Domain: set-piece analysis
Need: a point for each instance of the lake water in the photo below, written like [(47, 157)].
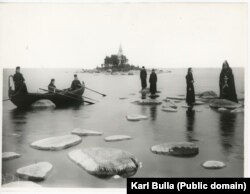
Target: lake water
[(220, 136)]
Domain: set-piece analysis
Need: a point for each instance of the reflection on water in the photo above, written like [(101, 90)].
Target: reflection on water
[(153, 112), (227, 131), (190, 120)]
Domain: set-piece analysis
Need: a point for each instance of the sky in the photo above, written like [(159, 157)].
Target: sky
[(153, 35)]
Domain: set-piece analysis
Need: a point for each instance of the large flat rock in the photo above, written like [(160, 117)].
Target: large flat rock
[(9, 155), (237, 110), (43, 104), (105, 162), (136, 117), (35, 172), (21, 184), (148, 102), (213, 164), (208, 95), (117, 138), (85, 132), (57, 143), (181, 149), (223, 103)]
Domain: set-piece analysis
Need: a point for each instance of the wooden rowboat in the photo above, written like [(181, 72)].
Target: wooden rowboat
[(61, 98)]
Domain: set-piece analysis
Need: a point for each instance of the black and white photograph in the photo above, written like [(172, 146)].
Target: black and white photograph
[(95, 93)]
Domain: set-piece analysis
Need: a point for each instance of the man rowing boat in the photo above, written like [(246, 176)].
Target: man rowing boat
[(76, 84)]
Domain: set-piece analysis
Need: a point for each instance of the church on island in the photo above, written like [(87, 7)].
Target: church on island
[(117, 62)]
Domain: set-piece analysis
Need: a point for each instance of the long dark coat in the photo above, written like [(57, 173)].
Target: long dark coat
[(143, 76), (20, 86), (227, 85), (190, 97), (153, 81)]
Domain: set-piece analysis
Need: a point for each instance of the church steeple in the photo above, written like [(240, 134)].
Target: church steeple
[(120, 52)]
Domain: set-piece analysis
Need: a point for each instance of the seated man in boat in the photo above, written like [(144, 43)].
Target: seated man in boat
[(75, 83), (19, 82), (51, 86)]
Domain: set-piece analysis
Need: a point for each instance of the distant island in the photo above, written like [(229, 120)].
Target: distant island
[(116, 63)]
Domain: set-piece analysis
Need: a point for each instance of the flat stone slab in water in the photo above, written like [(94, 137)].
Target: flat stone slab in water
[(57, 143), (223, 103), (181, 149), (117, 138), (208, 95), (223, 110), (237, 110), (135, 117), (198, 102), (9, 155), (35, 172), (105, 162), (21, 184), (85, 132), (212, 164), (43, 104), (169, 109), (176, 98), (148, 102)]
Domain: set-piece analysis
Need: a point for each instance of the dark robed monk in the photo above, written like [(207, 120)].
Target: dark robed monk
[(51, 86), (153, 81), (227, 85), (143, 76), (190, 97), (19, 82), (75, 83)]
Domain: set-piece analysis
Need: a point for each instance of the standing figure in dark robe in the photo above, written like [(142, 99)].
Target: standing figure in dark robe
[(153, 81), (227, 85), (75, 83), (190, 97), (19, 82), (143, 76), (51, 86)]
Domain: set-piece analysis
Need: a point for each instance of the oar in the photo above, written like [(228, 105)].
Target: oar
[(5, 100), (95, 91), (69, 96), (70, 93)]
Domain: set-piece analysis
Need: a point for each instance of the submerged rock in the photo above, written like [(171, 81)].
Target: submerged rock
[(181, 149), (136, 117), (35, 172), (85, 132), (213, 164), (9, 155), (43, 104), (237, 110), (208, 95), (223, 103), (123, 98), (169, 109), (57, 142), (117, 138), (105, 162), (148, 102), (21, 184)]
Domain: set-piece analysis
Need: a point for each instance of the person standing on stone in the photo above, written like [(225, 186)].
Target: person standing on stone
[(19, 82), (227, 85), (75, 83), (143, 76), (51, 86), (153, 81), (190, 97)]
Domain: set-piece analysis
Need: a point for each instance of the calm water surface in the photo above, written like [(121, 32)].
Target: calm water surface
[(218, 135)]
